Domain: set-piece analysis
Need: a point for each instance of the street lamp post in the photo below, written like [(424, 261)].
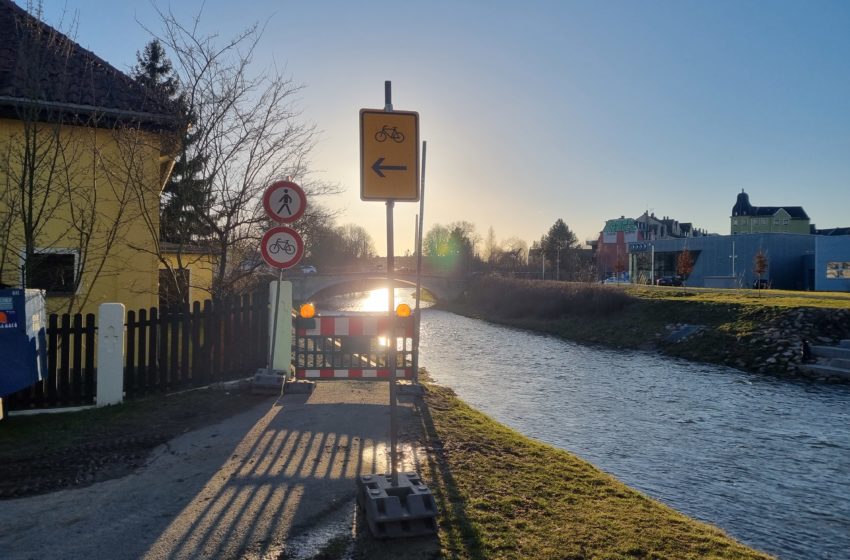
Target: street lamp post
[(543, 260), (558, 262), (652, 265), (733, 257)]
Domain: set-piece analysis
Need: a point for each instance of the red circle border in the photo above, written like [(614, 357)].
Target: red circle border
[(299, 247), (267, 195)]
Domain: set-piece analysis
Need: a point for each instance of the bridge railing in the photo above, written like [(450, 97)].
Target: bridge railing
[(353, 347)]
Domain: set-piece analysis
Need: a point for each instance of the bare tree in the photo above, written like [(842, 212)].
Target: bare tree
[(760, 266), (512, 255), (684, 264), (54, 184), (357, 242), (249, 130), (491, 252)]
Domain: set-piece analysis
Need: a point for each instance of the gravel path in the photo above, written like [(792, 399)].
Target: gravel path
[(238, 489)]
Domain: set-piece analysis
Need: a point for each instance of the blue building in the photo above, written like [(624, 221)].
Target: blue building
[(794, 261), (832, 263)]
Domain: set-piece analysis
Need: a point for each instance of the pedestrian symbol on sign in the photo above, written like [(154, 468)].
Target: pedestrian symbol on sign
[(286, 199)]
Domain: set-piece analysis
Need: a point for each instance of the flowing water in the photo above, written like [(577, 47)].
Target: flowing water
[(767, 460)]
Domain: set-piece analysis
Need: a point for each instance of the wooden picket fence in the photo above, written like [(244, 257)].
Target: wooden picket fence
[(165, 350), (189, 347)]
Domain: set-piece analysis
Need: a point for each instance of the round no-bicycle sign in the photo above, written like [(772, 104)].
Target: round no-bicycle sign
[(282, 247), (284, 201)]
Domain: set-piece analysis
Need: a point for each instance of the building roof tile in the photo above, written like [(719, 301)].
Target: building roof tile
[(793, 211), (41, 66)]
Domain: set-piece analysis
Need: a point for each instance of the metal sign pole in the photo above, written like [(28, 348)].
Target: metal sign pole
[(391, 346), (391, 335), (419, 267), (388, 172)]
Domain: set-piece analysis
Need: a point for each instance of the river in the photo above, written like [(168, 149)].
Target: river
[(767, 460)]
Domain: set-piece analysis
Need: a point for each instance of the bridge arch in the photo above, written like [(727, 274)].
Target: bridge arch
[(326, 285)]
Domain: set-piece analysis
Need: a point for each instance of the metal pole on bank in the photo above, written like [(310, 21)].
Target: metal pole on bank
[(391, 335), (416, 313)]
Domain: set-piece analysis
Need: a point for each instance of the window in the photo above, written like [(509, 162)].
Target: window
[(53, 271), (836, 270)]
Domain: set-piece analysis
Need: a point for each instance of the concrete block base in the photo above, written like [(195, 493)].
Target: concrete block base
[(408, 388), (406, 510), (299, 387), (264, 383)]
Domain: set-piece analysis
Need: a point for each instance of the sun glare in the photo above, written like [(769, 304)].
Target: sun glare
[(377, 300)]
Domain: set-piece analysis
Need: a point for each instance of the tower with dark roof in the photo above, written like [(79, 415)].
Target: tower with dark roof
[(742, 205), (747, 218)]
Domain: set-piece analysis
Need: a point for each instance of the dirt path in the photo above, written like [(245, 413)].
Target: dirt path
[(283, 471)]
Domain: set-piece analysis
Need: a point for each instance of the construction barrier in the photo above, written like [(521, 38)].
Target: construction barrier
[(353, 347), (406, 510)]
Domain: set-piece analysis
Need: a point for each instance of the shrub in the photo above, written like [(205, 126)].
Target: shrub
[(513, 299)]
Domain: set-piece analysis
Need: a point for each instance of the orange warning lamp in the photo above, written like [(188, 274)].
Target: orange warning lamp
[(403, 310), (307, 311), (3, 318)]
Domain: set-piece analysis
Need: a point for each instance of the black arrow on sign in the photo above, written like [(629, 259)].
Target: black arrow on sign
[(379, 169)]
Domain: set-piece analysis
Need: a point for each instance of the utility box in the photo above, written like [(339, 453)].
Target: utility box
[(23, 339)]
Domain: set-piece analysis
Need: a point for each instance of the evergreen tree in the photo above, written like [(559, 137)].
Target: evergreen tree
[(558, 245), (154, 71), (186, 195)]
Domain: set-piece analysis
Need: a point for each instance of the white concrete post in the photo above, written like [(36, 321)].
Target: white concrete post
[(110, 354), (283, 340)]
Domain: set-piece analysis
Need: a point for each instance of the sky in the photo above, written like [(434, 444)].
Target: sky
[(538, 110)]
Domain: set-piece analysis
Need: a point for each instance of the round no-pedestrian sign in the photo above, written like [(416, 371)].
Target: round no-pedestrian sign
[(284, 201), (282, 247)]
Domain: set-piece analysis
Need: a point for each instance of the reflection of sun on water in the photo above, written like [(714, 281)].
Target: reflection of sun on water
[(376, 300), (373, 301)]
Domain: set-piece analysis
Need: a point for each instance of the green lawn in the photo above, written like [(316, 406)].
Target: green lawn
[(761, 298)]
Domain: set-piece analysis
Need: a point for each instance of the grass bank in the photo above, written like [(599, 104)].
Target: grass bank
[(503, 495), (747, 329)]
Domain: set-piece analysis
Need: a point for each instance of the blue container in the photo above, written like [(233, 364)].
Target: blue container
[(23, 339)]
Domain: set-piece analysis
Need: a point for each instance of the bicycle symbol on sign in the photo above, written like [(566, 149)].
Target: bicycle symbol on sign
[(276, 247), (389, 132)]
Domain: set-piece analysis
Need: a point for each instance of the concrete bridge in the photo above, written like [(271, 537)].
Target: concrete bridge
[(312, 286)]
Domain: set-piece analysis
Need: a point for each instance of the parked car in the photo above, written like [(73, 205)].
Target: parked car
[(309, 269), (761, 284), (668, 281)]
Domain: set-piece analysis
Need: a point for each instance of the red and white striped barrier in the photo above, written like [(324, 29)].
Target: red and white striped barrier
[(367, 325), (406, 373), (340, 327)]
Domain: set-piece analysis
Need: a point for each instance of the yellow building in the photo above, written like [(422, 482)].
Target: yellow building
[(186, 275), (84, 154), (747, 218)]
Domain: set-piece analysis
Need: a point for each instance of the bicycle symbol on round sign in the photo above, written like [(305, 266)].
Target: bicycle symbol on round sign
[(276, 247), (282, 247)]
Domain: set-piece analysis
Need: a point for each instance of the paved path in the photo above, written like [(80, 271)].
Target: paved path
[(238, 489)]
